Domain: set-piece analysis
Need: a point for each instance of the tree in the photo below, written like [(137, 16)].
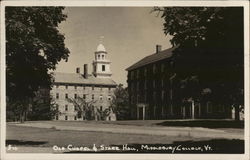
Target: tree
[(43, 109), (85, 110), (209, 46), (33, 47), (120, 103)]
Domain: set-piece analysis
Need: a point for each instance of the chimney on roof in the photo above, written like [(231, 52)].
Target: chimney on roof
[(77, 70), (85, 71), (158, 48)]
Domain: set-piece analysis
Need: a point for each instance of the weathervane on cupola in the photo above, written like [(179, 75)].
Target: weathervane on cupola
[(101, 65), (101, 39)]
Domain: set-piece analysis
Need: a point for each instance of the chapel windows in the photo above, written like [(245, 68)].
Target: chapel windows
[(103, 67)]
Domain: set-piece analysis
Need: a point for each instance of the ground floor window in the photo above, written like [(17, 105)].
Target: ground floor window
[(66, 118), (79, 115), (221, 108), (209, 107)]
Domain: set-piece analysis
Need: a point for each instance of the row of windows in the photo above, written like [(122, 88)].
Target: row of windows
[(144, 97), (218, 108), (84, 87), (76, 109), (84, 96), (146, 83), (145, 70), (75, 118), (99, 56)]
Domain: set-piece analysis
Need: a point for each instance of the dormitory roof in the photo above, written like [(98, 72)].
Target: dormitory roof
[(152, 58), (74, 78)]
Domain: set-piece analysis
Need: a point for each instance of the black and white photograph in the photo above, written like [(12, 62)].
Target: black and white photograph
[(160, 80)]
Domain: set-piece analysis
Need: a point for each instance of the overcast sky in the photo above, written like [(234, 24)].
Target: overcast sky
[(130, 33)]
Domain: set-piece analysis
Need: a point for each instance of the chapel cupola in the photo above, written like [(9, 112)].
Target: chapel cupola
[(101, 65)]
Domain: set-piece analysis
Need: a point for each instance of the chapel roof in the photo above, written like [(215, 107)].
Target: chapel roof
[(75, 78)]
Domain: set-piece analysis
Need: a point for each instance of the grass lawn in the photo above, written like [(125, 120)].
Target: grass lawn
[(38, 137), (180, 122), (204, 123)]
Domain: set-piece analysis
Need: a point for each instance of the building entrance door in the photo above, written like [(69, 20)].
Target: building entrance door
[(140, 110), (187, 112)]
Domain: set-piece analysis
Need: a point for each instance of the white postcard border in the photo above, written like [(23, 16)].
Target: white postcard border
[(140, 3)]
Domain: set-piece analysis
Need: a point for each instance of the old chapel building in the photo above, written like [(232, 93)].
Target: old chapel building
[(152, 94), (97, 87)]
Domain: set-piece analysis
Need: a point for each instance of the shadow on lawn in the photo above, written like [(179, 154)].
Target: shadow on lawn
[(24, 143), (214, 146), (205, 123)]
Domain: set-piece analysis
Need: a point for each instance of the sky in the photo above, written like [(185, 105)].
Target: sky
[(130, 34)]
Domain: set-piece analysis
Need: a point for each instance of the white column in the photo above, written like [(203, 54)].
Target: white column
[(233, 112), (143, 114), (192, 109)]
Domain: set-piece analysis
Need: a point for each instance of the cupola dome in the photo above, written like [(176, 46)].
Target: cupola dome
[(100, 48)]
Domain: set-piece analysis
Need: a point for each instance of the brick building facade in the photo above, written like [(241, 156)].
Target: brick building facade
[(152, 92)]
